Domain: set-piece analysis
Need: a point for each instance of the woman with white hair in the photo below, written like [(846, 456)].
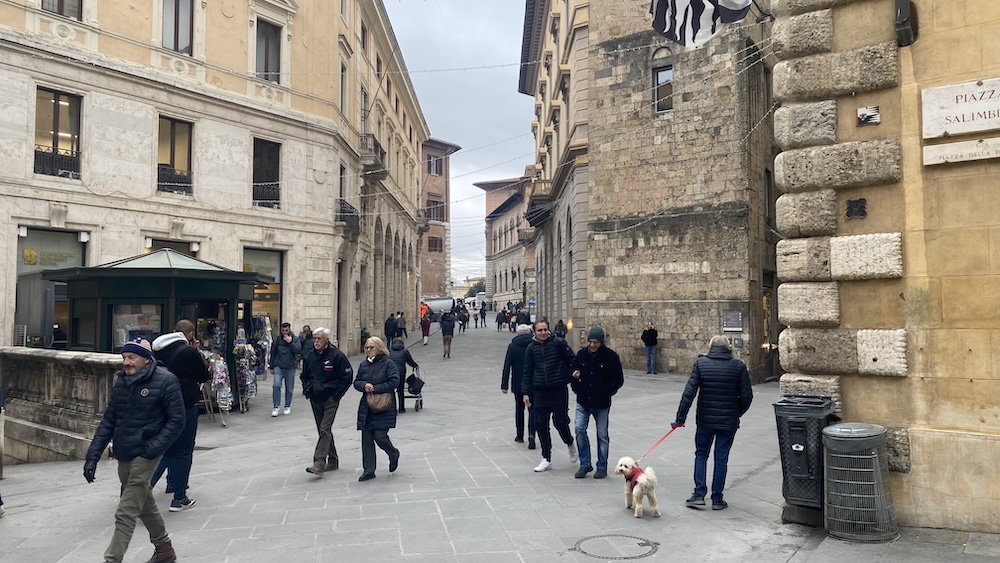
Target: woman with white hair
[(376, 374)]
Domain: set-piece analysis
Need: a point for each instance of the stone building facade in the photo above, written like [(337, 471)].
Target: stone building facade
[(435, 199), (889, 268), (509, 241), (270, 135), (654, 200)]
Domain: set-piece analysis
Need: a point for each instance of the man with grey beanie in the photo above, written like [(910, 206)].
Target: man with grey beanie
[(597, 376)]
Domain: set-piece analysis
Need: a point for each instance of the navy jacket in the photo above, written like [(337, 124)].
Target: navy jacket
[(401, 357), (385, 379), (600, 377), (390, 328), (546, 365), (722, 384), (513, 364), (447, 324), (326, 374), (285, 355), (143, 417)]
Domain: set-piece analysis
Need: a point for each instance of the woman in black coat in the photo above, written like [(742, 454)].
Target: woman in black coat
[(376, 374)]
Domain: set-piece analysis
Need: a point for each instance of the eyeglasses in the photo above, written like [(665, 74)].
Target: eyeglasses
[(369, 347)]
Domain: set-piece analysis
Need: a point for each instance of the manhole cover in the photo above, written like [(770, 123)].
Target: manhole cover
[(615, 547)]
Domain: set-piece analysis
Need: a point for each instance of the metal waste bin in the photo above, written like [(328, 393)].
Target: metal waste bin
[(801, 420), (858, 504)]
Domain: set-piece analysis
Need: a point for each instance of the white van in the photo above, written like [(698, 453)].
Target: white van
[(438, 305)]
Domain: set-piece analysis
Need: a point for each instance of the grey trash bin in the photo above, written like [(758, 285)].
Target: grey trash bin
[(858, 501), (801, 420)]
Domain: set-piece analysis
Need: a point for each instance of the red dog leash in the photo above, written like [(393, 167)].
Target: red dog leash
[(659, 442)]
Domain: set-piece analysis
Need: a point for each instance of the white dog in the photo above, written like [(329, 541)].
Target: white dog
[(638, 483)]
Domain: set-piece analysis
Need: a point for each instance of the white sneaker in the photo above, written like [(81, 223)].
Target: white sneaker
[(274, 411), (545, 465), (288, 410), (573, 457)]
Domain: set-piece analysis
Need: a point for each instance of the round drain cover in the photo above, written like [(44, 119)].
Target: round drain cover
[(616, 547)]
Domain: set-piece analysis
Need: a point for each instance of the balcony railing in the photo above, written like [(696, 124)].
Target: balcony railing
[(348, 214), (525, 235), (267, 194), (57, 162), (173, 180), (373, 157)]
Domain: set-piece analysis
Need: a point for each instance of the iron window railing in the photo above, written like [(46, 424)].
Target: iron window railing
[(267, 194), (57, 162), (173, 180)]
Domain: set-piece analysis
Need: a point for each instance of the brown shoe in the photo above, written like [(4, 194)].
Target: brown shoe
[(163, 553), (316, 469), (331, 466)]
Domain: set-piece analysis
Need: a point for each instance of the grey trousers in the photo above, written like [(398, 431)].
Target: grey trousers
[(324, 413), (136, 502)]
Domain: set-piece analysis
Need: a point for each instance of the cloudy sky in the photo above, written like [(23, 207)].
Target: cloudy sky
[(476, 108)]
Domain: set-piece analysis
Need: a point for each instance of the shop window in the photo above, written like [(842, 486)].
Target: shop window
[(83, 324), (266, 298), (66, 8), (435, 209), (434, 165), (435, 244), (664, 88), (173, 169), (268, 51), (178, 25), (266, 168), (57, 133), (129, 321)]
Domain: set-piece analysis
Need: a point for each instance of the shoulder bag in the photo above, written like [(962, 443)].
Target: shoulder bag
[(379, 402)]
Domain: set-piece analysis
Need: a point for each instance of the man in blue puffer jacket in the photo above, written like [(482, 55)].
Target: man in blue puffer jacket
[(722, 385), (145, 414)]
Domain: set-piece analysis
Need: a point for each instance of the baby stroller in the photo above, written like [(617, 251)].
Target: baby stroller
[(414, 388)]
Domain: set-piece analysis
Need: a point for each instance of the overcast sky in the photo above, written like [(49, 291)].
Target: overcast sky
[(478, 109)]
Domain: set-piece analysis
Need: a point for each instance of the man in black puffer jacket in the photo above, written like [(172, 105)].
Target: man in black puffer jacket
[(145, 414), (597, 376), (722, 385), (546, 373)]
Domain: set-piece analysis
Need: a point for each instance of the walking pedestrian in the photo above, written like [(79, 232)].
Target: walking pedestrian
[(512, 378), (425, 327), (145, 414), (326, 376), (649, 340), (722, 385), (401, 325), (560, 330), (597, 376), (482, 315), (285, 351), (376, 374), (390, 327), (401, 357), (178, 352), (447, 332), (546, 373), (501, 319)]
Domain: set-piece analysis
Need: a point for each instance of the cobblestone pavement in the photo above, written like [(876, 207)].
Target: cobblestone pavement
[(464, 491)]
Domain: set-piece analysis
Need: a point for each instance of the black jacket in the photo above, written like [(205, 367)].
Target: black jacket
[(385, 379), (546, 365), (649, 337), (448, 324), (513, 364), (143, 417), (184, 361), (327, 373), (390, 328), (401, 357), (285, 355), (722, 384), (600, 377)]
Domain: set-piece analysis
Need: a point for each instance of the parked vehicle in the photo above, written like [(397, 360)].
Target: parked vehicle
[(438, 305)]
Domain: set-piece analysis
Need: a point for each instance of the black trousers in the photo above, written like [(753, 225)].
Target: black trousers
[(370, 437), (552, 403), (519, 409)]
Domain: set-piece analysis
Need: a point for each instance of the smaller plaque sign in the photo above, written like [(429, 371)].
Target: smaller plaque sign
[(963, 151), (732, 321)]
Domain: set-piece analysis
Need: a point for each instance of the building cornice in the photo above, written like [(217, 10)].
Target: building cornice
[(531, 44)]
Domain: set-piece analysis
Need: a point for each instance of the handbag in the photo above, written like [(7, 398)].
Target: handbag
[(378, 402)]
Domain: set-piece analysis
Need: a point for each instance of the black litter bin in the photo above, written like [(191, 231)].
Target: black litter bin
[(800, 440)]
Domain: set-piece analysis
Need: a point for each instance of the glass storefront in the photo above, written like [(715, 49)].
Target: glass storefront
[(266, 297), (41, 306)]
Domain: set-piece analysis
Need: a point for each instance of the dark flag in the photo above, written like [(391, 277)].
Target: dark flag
[(693, 22)]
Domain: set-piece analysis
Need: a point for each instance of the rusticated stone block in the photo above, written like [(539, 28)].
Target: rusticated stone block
[(898, 448), (803, 35), (809, 304), (806, 125), (785, 8), (845, 165), (867, 257), (804, 259), (882, 352), (807, 214), (819, 351), (828, 75), (813, 385)]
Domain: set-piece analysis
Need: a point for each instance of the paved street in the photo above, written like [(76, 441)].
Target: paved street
[(464, 491)]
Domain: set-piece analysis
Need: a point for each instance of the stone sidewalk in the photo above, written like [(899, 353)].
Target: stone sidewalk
[(464, 491)]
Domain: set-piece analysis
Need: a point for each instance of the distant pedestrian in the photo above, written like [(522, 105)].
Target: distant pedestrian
[(560, 330), (306, 341), (722, 386), (145, 414), (178, 352), (482, 315), (285, 351), (376, 374), (425, 327), (475, 319), (326, 377), (501, 319), (649, 340), (512, 378), (402, 357), (401, 325), (390, 327), (546, 373), (447, 332), (597, 376)]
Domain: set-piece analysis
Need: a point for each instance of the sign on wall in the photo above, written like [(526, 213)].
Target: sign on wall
[(963, 151), (958, 109)]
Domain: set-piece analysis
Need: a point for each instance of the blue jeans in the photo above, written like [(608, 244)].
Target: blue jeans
[(583, 415), (178, 457), (288, 376), (703, 439), (650, 358)]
